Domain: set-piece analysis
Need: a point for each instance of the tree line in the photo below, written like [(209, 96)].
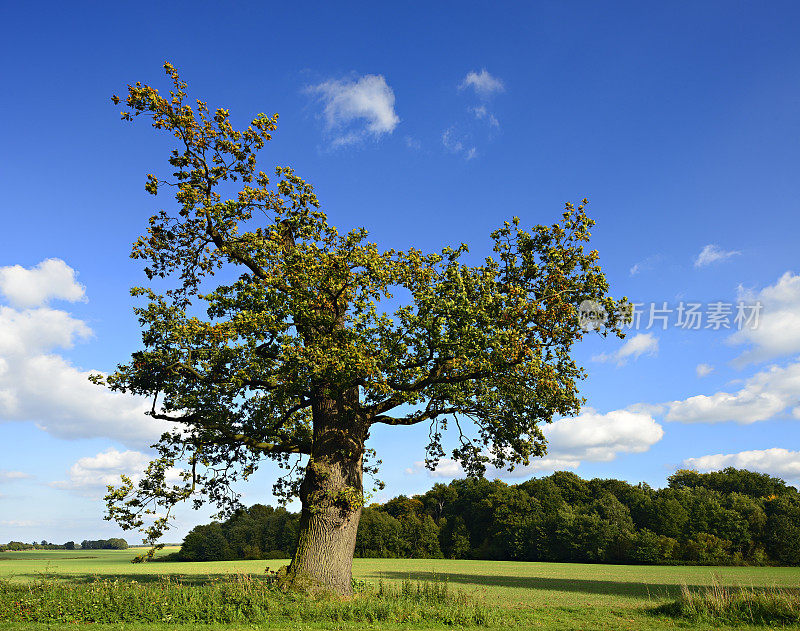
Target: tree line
[(115, 543), (730, 517)]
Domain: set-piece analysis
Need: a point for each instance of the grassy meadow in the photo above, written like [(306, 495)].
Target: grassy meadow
[(523, 595)]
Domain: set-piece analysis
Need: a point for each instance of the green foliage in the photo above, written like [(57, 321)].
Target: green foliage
[(119, 544), (206, 543), (380, 535), (259, 532), (731, 480), (241, 599), (115, 543), (251, 370)]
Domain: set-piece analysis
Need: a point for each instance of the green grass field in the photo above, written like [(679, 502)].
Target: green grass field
[(534, 595)]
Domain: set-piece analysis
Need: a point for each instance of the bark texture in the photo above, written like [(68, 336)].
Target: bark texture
[(332, 497)]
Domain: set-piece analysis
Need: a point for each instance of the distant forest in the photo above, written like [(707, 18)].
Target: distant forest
[(87, 544), (730, 517)]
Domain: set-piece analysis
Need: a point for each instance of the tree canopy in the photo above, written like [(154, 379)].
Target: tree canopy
[(299, 355)]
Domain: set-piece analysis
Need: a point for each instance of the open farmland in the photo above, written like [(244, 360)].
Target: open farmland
[(531, 595)]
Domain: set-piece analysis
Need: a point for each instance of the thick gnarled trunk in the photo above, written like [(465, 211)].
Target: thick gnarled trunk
[(332, 497)]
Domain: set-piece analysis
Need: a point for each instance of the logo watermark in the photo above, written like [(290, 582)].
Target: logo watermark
[(592, 316)]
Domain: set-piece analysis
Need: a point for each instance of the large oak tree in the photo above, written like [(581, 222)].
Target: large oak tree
[(305, 350)]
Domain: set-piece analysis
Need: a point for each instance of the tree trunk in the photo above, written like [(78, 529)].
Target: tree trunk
[(332, 496)]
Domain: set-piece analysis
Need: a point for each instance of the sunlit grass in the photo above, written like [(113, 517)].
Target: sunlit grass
[(535, 595)]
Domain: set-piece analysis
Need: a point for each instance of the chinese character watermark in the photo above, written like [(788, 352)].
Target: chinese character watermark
[(694, 316)]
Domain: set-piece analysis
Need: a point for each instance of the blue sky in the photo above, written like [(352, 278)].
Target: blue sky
[(429, 125)]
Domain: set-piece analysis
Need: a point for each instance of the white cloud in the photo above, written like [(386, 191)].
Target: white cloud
[(652, 409), (357, 109), (104, 468), (92, 474), (483, 83), (50, 279), (35, 330), (638, 345), (591, 436), (703, 370), (763, 396), (601, 437), (60, 399), (777, 333), (14, 475), (456, 143), (776, 461), (713, 254), (447, 468), (481, 113), (40, 386)]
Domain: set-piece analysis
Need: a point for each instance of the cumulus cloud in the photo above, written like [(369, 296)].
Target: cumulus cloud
[(50, 279), (483, 83), (41, 386), (763, 396), (713, 254), (104, 469), (35, 330), (776, 461), (356, 109), (60, 399), (777, 332), (92, 474), (640, 344), (703, 370), (602, 437), (447, 468), (591, 436)]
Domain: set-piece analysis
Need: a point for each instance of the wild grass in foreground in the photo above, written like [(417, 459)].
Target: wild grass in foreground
[(240, 599), (729, 605)]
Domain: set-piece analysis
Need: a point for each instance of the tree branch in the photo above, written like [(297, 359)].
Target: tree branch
[(303, 447), (413, 419)]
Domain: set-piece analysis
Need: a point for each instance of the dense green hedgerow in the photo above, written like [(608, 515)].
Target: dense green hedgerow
[(239, 599)]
